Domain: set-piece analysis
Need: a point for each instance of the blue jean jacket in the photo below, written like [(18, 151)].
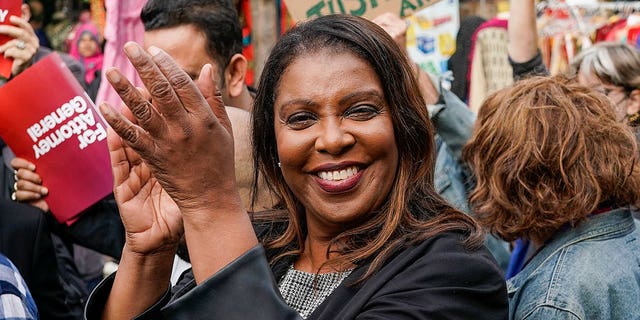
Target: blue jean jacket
[(454, 122), (590, 271)]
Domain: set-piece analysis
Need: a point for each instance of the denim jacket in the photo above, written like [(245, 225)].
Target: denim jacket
[(590, 271), (454, 122)]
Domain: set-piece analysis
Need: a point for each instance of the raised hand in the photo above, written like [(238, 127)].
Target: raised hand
[(184, 137), (24, 45), (395, 26), (152, 220), (182, 141)]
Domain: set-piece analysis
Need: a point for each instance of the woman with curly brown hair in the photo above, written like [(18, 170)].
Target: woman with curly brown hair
[(556, 170)]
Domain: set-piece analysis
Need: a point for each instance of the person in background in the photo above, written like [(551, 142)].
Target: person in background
[(360, 232), (195, 32), (557, 172), (396, 27), (453, 121), (17, 303), (37, 22), (86, 47), (461, 58), (80, 19), (28, 241), (613, 69), (189, 30)]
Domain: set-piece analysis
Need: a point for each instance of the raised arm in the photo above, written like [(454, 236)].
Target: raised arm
[(523, 33), (22, 47), (396, 27), (182, 143)]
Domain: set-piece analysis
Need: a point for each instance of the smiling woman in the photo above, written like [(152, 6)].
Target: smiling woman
[(342, 137), (335, 140)]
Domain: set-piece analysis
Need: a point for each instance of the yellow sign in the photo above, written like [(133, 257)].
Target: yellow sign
[(306, 9)]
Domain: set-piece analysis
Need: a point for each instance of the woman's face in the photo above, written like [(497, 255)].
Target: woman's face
[(614, 93), (87, 47), (335, 139)]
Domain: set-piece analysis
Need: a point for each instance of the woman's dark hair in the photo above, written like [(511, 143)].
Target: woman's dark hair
[(412, 211)]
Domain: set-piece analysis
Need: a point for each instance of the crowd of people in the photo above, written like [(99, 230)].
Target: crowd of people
[(347, 185)]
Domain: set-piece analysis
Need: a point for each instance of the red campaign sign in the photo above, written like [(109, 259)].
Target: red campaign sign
[(49, 120), (7, 8)]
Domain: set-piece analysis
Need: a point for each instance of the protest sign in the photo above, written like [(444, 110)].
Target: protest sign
[(431, 36), (302, 10), (7, 8), (49, 120)]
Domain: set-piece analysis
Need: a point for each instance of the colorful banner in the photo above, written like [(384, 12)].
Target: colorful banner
[(8, 8), (302, 10), (431, 37), (49, 120)]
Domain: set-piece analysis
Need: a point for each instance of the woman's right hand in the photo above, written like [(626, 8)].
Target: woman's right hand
[(152, 220), (28, 186)]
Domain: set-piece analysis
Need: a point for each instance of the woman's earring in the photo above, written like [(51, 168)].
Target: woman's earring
[(279, 165)]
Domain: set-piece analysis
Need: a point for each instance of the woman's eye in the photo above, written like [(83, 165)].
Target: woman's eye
[(362, 112), (301, 120)]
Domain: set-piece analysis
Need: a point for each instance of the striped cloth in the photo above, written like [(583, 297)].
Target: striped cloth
[(16, 302)]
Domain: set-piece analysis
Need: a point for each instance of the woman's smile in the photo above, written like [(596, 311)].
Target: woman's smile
[(339, 180)]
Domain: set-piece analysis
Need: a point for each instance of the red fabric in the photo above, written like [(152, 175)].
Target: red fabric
[(604, 31), (286, 22), (632, 35), (613, 33), (244, 9)]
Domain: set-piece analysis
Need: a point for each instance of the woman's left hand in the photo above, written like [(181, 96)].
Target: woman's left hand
[(182, 133), (184, 137), (22, 47)]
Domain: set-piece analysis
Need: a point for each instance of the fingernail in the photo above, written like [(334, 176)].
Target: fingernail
[(105, 110), (206, 69), (32, 167), (44, 191), (132, 50), (153, 50), (113, 76)]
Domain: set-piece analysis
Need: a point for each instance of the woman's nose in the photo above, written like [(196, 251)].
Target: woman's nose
[(334, 137)]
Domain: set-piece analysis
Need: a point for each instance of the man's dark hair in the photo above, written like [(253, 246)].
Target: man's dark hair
[(216, 19)]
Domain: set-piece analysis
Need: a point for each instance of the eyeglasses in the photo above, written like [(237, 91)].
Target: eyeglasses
[(610, 92)]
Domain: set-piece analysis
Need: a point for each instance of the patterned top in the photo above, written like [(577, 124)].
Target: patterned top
[(304, 292), (16, 302)]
